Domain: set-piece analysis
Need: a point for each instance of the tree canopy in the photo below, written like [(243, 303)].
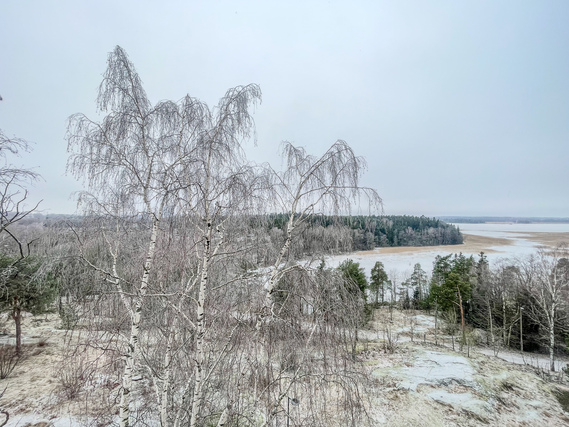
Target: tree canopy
[(378, 279), (452, 275), (355, 278)]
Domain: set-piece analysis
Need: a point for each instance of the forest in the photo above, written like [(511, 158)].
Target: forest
[(368, 232), (191, 304)]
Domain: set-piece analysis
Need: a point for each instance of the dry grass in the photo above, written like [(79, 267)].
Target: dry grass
[(544, 238), (474, 244), (46, 382)]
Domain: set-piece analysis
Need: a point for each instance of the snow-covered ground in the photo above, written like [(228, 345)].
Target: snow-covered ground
[(430, 385), (536, 360)]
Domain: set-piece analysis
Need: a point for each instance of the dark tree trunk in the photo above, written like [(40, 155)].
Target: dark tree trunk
[(462, 323), (17, 316)]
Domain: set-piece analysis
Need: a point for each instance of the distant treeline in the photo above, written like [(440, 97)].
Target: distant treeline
[(367, 232), (324, 234), (514, 220)]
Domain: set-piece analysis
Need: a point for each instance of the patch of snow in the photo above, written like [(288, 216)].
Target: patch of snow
[(438, 369), (443, 372), (22, 420), (536, 360), (463, 400)]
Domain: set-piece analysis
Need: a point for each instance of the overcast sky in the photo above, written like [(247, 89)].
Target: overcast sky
[(459, 107)]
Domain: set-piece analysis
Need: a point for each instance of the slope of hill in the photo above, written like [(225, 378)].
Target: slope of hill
[(412, 380)]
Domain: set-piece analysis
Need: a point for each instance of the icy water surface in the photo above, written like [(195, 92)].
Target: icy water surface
[(522, 240)]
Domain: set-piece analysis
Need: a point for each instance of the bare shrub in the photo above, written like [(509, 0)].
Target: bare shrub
[(289, 360), (451, 318), (74, 376), (390, 339), (9, 359)]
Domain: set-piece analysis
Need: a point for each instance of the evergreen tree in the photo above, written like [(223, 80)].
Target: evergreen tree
[(25, 287), (418, 282), (451, 287), (356, 284), (355, 278), (377, 282), (452, 280)]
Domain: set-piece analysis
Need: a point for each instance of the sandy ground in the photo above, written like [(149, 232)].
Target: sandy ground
[(475, 244), (472, 244), (546, 239), (37, 389)]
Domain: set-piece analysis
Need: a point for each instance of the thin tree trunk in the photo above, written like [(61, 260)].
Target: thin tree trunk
[(132, 349), (510, 333), (224, 418), (463, 340), (552, 339), (167, 374), (521, 330), (275, 272), (503, 319), (354, 344), (436, 323), (200, 326), (17, 316), (491, 324)]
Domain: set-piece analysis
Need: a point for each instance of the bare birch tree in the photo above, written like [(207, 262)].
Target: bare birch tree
[(546, 279), (219, 187), (13, 192), (142, 162), (310, 186), (173, 196), (130, 162)]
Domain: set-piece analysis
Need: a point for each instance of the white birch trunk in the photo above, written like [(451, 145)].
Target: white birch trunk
[(224, 418), (132, 349), (200, 329), (275, 273), (167, 374)]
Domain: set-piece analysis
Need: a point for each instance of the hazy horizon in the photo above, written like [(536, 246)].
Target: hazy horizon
[(446, 218), (460, 109)]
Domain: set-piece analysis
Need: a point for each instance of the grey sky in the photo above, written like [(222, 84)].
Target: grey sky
[(460, 108)]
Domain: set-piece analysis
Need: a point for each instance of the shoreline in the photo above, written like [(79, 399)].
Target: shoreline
[(474, 243)]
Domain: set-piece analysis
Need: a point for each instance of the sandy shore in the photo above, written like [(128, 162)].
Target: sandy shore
[(544, 238), (474, 244)]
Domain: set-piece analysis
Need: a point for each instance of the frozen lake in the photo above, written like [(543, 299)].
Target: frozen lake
[(496, 240)]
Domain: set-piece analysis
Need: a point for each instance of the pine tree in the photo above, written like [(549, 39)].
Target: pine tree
[(25, 286), (378, 279), (355, 277)]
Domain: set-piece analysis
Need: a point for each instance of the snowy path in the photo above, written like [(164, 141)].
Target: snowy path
[(532, 359)]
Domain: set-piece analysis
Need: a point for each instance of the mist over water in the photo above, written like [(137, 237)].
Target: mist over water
[(522, 240)]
